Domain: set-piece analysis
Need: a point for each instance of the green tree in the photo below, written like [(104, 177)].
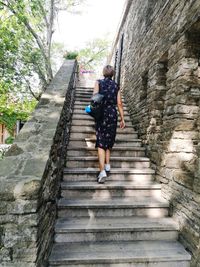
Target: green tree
[(94, 54), (26, 29), (36, 18), (19, 59)]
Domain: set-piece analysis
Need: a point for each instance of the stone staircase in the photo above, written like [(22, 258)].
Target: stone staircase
[(123, 222)]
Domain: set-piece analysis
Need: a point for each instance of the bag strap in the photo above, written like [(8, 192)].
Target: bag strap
[(99, 82)]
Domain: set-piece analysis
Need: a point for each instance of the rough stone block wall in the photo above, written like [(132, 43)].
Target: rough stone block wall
[(31, 173), (160, 78)]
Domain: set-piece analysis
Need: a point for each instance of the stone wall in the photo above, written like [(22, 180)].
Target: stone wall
[(31, 173), (160, 78)]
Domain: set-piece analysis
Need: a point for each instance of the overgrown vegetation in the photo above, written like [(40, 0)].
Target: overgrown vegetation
[(11, 112), (71, 55), (26, 29), (26, 52), (3, 150), (92, 55)]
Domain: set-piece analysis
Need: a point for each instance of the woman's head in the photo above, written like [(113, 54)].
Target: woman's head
[(108, 71)]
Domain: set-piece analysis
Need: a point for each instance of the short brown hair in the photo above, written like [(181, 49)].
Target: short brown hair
[(108, 71)]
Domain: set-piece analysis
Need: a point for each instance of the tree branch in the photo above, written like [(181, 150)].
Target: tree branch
[(2, 3), (44, 14), (41, 76), (93, 58), (32, 93), (37, 39), (50, 28)]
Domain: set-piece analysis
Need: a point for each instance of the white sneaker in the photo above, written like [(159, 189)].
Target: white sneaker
[(102, 177), (107, 167)]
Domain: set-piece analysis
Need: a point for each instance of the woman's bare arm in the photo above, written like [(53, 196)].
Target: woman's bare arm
[(96, 88), (121, 111)]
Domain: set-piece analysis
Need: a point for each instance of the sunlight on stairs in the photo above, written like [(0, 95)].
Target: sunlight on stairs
[(123, 222)]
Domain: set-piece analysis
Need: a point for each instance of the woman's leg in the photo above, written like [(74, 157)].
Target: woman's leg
[(107, 156), (102, 157)]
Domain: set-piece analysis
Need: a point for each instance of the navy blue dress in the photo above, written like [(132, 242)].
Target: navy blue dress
[(106, 129)]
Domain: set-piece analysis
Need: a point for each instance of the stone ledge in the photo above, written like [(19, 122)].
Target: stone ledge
[(22, 158), (31, 173)]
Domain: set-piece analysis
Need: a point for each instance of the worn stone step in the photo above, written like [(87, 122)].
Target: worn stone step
[(115, 229), (85, 98), (91, 122), (118, 143), (85, 85), (83, 88), (126, 206), (85, 128), (90, 142), (79, 111), (86, 116), (84, 92), (83, 102), (140, 176), (82, 105), (87, 94), (116, 151), (116, 162), (120, 254), (86, 119), (92, 135), (91, 130), (109, 189)]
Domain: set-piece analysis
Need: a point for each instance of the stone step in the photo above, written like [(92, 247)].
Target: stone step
[(83, 88), (85, 102), (140, 176), (115, 229), (109, 189), (86, 116), (90, 122), (78, 111), (120, 254), (86, 90), (87, 94), (116, 151), (120, 207), (119, 139), (92, 135), (116, 162), (120, 223), (82, 105), (90, 129), (90, 142), (85, 128), (87, 98)]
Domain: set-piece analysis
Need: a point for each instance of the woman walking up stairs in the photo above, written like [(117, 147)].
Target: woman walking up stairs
[(125, 221)]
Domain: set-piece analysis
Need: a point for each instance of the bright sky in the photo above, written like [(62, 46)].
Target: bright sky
[(99, 18)]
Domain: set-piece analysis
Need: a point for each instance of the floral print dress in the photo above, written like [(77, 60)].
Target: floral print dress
[(106, 128)]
